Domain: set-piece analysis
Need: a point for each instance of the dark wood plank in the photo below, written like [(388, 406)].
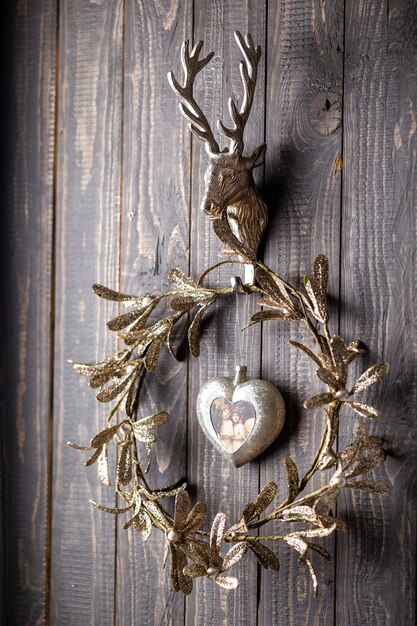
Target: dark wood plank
[(376, 561), (87, 242), (155, 238), (303, 133), (218, 483), (28, 112)]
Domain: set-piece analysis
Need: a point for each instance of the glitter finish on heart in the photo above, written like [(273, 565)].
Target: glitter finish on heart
[(259, 414)]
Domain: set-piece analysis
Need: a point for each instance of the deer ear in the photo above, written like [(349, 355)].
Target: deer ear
[(257, 157)]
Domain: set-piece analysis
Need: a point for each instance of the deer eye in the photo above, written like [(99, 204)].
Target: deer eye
[(228, 174)]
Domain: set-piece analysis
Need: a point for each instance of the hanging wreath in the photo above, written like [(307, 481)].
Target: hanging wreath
[(239, 219)]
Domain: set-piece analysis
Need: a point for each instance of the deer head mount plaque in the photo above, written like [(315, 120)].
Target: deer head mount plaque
[(230, 189)]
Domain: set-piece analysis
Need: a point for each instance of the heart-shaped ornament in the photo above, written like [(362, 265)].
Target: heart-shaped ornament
[(241, 418)]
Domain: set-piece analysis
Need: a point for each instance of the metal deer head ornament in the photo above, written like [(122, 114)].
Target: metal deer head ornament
[(230, 188)]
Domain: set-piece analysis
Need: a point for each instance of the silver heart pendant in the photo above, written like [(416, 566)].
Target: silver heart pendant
[(240, 417)]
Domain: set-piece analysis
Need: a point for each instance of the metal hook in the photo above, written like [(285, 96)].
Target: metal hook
[(238, 286)]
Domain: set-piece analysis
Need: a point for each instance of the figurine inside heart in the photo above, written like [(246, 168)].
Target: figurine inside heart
[(241, 418)]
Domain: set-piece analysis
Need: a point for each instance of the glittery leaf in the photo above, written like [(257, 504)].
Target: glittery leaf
[(339, 351), (363, 409), (261, 502), (372, 487), (110, 294), (320, 550), (312, 574), (307, 351), (183, 303), (275, 314), (316, 287), (152, 355), (105, 435), (234, 555), (103, 466), (94, 457), (88, 369), (217, 530), (143, 524), (267, 302), (103, 376), (227, 582), (328, 378), (180, 580), (370, 442), (354, 349), (122, 321), (297, 543), (265, 497), (321, 277), (315, 532), (182, 508), (367, 464), (274, 287), (222, 229), (181, 280), (299, 513), (156, 512), (194, 329), (201, 553), (264, 555), (112, 391), (319, 400), (124, 465), (195, 570), (372, 375), (153, 421), (195, 518), (292, 478)]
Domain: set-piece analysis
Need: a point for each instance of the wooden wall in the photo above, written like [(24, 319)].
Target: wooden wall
[(101, 182)]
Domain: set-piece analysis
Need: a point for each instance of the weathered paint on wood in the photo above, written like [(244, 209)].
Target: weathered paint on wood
[(87, 250), (303, 133), (107, 136), (154, 241), (27, 166), (378, 297), (207, 470)]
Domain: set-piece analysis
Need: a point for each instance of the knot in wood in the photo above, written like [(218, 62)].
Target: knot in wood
[(326, 113)]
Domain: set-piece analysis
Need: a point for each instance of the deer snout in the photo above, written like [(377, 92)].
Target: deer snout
[(210, 208)]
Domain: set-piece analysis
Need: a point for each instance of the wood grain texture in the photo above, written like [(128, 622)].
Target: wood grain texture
[(87, 244), (28, 107), (303, 133), (155, 238), (127, 180), (376, 562), (214, 479)]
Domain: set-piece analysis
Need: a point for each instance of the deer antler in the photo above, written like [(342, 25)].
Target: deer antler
[(248, 72), (197, 122)]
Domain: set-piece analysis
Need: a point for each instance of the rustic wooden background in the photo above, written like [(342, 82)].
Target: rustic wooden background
[(101, 182)]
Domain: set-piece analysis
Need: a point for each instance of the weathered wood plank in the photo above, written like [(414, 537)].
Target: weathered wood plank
[(155, 227), (224, 488), (28, 110), (87, 244), (303, 133), (376, 561)]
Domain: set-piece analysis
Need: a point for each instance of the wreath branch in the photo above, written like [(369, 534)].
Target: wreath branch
[(195, 550)]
